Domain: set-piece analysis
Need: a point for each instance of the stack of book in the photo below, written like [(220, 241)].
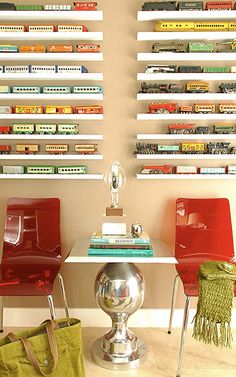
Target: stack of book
[(106, 245)]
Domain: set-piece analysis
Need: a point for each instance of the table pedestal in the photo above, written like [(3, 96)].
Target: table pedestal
[(119, 290)]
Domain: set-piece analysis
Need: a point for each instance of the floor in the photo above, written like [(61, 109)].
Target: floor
[(200, 360)]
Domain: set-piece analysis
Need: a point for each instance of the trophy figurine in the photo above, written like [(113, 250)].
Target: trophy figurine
[(115, 180)]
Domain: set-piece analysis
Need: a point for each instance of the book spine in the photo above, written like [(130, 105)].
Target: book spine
[(121, 252), (120, 241)]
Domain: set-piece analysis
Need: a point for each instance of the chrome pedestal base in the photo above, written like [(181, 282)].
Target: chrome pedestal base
[(119, 362), (119, 291)]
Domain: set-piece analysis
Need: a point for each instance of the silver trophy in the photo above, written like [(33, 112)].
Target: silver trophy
[(115, 179)]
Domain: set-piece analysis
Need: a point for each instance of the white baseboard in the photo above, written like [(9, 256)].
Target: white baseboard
[(27, 317)]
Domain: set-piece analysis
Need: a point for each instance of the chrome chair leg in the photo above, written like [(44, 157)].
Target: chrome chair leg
[(173, 301), (1, 314), (63, 292), (51, 307), (184, 330)]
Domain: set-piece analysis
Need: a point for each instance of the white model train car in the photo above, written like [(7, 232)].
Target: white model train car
[(42, 68), (212, 170), (71, 69), (45, 129), (57, 7), (16, 69), (13, 169), (41, 28), (186, 169), (12, 28), (56, 89), (26, 89), (231, 169)]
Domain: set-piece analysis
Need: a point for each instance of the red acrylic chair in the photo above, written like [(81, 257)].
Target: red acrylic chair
[(203, 232), (31, 257)]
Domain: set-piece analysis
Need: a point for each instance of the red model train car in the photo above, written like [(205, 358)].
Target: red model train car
[(162, 108), (85, 5), (181, 128), (219, 5), (93, 109), (5, 149), (5, 129), (157, 169)]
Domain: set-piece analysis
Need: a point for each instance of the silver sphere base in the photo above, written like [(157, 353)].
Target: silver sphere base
[(114, 362)]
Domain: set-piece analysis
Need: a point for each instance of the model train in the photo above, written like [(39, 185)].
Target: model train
[(43, 169), (186, 147), (221, 128), (194, 26), (186, 5), (43, 69), (168, 107), (49, 148), (62, 28), (166, 68), (194, 47), (90, 109), (80, 48), (190, 87), (43, 129), (187, 169), (77, 6), (88, 89)]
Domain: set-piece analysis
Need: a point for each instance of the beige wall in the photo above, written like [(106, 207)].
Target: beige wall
[(150, 202)]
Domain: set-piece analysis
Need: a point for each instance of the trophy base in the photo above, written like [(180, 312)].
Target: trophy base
[(114, 211)]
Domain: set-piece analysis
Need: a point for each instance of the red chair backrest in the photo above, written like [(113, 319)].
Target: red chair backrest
[(32, 226), (203, 229)]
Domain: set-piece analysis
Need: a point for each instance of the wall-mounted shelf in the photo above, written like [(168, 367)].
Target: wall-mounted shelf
[(186, 137), (51, 137), (185, 35), (186, 56), (53, 176), (186, 156), (53, 157), (186, 76), (177, 116), (186, 96), (57, 97), (49, 36), (52, 15), (52, 116), (186, 15), (50, 56), (52, 76), (186, 176)]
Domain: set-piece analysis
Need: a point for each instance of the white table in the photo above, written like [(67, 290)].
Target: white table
[(119, 290)]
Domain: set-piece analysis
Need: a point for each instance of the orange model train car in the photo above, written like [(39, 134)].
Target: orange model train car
[(88, 47), (59, 110), (60, 48), (36, 48), (93, 109)]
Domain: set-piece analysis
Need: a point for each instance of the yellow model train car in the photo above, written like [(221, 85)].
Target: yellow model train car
[(193, 147), (194, 26)]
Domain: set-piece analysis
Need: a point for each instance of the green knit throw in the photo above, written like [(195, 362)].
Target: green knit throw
[(214, 309)]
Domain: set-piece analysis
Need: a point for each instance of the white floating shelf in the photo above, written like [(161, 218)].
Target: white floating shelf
[(52, 116), (53, 176), (186, 156), (186, 96), (186, 76), (53, 157), (186, 137), (186, 56), (50, 137), (50, 56), (52, 15), (177, 116), (52, 76), (185, 35), (45, 97), (186, 15), (51, 36), (186, 176)]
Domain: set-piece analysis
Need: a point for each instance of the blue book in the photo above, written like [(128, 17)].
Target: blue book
[(98, 238), (121, 252)]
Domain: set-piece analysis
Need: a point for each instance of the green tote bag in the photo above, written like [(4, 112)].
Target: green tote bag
[(52, 349)]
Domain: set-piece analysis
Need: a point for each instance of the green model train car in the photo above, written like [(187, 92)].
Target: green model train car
[(216, 69), (25, 7), (201, 47)]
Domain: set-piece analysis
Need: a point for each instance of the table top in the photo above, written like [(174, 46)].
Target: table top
[(79, 254)]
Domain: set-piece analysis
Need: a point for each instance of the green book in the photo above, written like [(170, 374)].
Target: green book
[(121, 252)]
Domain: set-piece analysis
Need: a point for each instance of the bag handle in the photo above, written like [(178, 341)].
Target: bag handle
[(51, 325)]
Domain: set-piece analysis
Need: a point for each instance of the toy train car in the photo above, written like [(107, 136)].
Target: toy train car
[(8, 48), (16, 69), (41, 28), (35, 49), (56, 89), (93, 89), (31, 7), (28, 109), (13, 169), (57, 7), (88, 47), (5, 149), (216, 69), (156, 68), (42, 68), (190, 5), (93, 109), (86, 148), (194, 26), (189, 69), (211, 170), (57, 148), (155, 108), (12, 28), (5, 129), (168, 47), (219, 5), (229, 87), (27, 148), (204, 108), (6, 109), (227, 108), (201, 47), (23, 129), (71, 28), (159, 5), (42, 169), (85, 5), (161, 88), (182, 128), (58, 110), (71, 69), (5, 89), (60, 48), (26, 89), (186, 169), (192, 147), (157, 169), (197, 87), (224, 128), (68, 129), (7, 6), (219, 148)]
